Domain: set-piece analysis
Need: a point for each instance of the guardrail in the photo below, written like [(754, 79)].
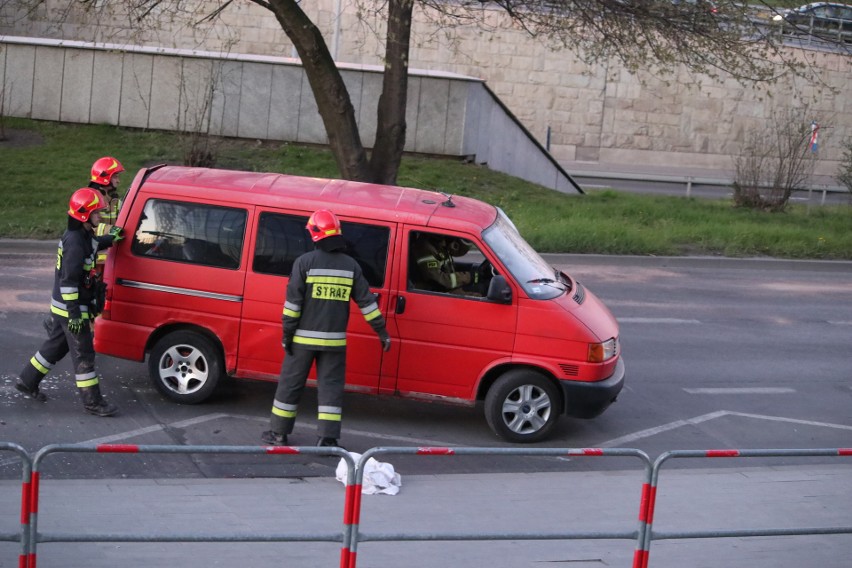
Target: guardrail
[(26, 477), (688, 181), (34, 537), (639, 535), (351, 535), (651, 535)]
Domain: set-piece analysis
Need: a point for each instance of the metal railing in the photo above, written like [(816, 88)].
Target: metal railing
[(652, 535), (33, 537), (26, 476), (639, 535), (351, 535)]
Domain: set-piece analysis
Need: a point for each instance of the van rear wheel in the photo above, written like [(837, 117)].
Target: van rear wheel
[(522, 406), (185, 366)]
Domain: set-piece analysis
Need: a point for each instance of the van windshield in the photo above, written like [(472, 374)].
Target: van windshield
[(538, 279)]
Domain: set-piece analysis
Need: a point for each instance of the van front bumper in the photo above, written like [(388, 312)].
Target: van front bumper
[(587, 400)]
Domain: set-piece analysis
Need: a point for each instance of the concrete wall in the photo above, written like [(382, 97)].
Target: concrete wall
[(256, 97), (596, 114)]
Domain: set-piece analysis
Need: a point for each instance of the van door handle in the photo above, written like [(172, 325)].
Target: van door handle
[(400, 304)]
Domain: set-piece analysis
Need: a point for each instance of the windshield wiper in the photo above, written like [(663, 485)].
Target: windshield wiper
[(548, 282)]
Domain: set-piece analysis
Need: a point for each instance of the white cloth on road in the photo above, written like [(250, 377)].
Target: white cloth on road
[(379, 477)]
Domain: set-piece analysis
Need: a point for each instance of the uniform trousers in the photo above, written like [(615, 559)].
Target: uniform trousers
[(59, 343), (331, 378)]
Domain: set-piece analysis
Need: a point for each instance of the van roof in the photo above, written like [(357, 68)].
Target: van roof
[(345, 198)]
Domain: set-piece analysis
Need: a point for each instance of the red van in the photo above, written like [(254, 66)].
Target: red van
[(199, 282)]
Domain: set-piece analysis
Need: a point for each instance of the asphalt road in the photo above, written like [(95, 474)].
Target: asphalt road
[(719, 355)]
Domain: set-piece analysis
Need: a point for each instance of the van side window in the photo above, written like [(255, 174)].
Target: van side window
[(191, 232), (283, 238)]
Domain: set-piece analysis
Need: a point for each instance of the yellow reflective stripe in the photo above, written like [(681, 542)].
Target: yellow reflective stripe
[(322, 342), (60, 312), (72, 296), (41, 368), (283, 413), (292, 314), (330, 417), (372, 315), (88, 383), (329, 280)]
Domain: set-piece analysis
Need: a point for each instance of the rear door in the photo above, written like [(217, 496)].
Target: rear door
[(281, 238), (445, 340)]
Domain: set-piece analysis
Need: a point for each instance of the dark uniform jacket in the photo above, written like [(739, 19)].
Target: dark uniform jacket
[(316, 310), (73, 291)]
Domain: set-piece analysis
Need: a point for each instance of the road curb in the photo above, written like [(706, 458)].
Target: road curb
[(35, 246)]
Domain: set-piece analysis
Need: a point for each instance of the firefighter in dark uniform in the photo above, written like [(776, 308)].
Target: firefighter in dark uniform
[(73, 305), (316, 313), (105, 179), (435, 270)]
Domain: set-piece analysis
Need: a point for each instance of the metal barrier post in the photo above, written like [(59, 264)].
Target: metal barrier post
[(34, 537), (651, 535), (26, 475), (637, 535)]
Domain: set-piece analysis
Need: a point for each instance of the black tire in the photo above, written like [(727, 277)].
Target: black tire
[(185, 366), (522, 406)]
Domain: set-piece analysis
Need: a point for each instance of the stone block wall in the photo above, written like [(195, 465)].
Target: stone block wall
[(599, 114)]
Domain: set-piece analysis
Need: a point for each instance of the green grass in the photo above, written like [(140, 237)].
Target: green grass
[(44, 162)]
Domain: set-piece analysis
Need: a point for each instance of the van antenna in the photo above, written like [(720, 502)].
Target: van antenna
[(449, 201)]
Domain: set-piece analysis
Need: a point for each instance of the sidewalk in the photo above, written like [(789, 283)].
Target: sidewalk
[(688, 499)]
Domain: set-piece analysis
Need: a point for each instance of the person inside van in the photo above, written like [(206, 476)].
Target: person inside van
[(433, 266)]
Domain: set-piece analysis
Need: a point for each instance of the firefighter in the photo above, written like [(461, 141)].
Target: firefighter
[(433, 256), (73, 306), (105, 179), (316, 313)]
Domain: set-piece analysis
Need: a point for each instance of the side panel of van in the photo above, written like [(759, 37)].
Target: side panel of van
[(446, 341), (182, 261), (281, 238)]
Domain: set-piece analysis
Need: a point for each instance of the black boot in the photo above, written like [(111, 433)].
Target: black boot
[(94, 403), (324, 442), (273, 438), (31, 392)]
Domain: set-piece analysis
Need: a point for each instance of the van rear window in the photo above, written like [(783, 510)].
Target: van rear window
[(191, 232), (283, 238)]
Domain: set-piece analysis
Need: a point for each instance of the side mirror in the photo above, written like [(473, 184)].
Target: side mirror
[(499, 290)]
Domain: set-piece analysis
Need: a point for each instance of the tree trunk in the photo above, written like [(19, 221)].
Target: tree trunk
[(333, 101), (390, 112)]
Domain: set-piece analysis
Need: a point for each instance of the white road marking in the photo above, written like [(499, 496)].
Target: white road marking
[(619, 442), (658, 320), (616, 442), (405, 439), (793, 421), (742, 390)]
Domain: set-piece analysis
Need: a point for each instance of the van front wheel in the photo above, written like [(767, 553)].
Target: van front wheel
[(522, 406), (185, 366)]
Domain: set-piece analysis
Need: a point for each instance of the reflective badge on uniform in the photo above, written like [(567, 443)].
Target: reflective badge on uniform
[(331, 292), (433, 264)]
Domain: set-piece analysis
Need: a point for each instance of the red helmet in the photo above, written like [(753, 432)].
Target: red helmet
[(104, 168), (322, 224), (84, 202)]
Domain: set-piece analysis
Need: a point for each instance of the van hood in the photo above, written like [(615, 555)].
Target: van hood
[(590, 311)]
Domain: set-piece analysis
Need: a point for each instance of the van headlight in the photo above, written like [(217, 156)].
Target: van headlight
[(600, 352)]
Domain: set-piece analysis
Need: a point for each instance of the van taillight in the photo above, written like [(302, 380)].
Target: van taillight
[(107, 304)]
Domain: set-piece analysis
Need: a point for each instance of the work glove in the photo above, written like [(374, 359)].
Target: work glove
[(75, 325), (385, 339), (287, 342), (117, 233)]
